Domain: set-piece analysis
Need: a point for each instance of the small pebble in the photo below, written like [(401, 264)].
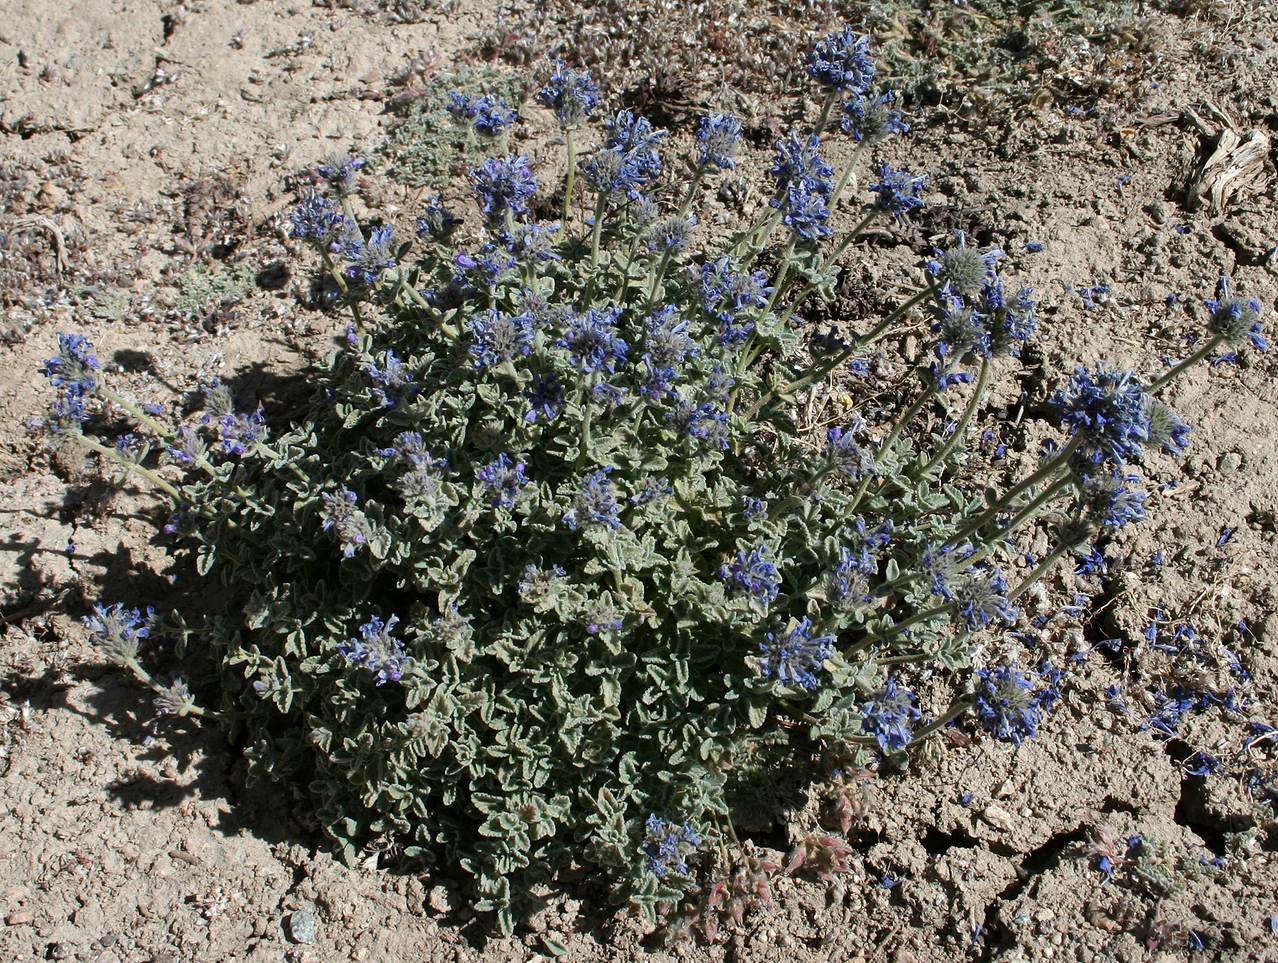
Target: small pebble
[(302, 925)]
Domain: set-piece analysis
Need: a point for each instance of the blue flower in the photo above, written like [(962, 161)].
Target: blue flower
[(870, 117), (706, 422), (377, 650), (899, 192), (982, 598), (727, 294), (667, 345), (671, 236), (629, 161), (841, 62), (963, 269), (316, 219), (798, 162), (74, 368), (532, 242), (1105, 408), (367, 260), (667, 846), (503, 477), (1108, 500), (392, 382), (846, 455), (571, 94), (889, 717), (804, 211), (719, 140), (753, 573), (651, 490), (487, 114), (848, 586), (754, 509), (1234, 320), (1166, 430), (595, 503), (497, 337), (938, 567), (436, 222), (545, 396), (119, 630), (503, 184), (1008, 706), (341, 515), (593, 343), (795, 658), (340, 171)]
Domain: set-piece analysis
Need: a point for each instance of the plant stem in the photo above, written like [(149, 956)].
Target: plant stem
[(697, 175), (834, 256), (572, 171), (1192, 360), (956, 709), (982, 379), (847, 176), (826, 107), (152, 477), (1043, 568), (597, 230), (1046, 471)]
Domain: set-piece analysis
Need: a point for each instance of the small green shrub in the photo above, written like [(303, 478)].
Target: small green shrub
[(550, 576)]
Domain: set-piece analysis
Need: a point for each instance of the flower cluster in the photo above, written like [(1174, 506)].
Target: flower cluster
[(377, 650), (74, 372), (890, 715), (1008, 704), (795, 656), (667, 846)]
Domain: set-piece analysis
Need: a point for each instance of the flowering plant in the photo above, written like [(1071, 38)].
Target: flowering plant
[(548, 574)]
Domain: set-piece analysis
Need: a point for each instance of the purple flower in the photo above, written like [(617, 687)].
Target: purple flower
[(571, 94), (667, 846), (1008, 706), (795, 657), (982, 598), (870, 117), (753, 573), (592, 341), (436, 222), (377, 650), (719, 140), (316, 219), (595, 503), (503, 477), (487, 114), (367, 260), (545, 396), (846, 456), (899, 192), (841, 62), (119, 630), (889, 717), (340, 514), (1234, 320), (392, 382), (1107, 409), (497, 337), (503, 184)]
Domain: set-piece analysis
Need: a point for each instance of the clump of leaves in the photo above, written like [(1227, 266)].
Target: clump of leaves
[(427, 144), (207, 286), (549, 575)]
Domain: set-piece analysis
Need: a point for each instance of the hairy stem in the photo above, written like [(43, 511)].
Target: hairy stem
[(978, 393)]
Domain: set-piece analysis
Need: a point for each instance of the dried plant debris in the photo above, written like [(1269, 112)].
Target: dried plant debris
[(680, 57)]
